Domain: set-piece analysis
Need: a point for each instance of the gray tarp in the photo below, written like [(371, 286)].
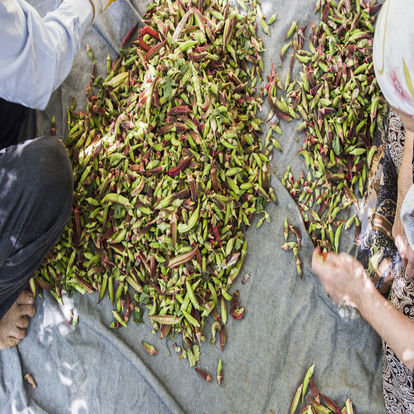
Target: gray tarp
[(289, 323)]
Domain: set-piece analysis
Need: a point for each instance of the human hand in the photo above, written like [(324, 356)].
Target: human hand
[(342, 276), (401, 242), (407, 120), (405, 182)]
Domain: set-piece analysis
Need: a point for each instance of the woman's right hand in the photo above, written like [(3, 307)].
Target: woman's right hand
[(342, 276), (401, 242)]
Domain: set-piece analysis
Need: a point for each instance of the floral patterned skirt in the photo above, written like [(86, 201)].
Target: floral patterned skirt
[(378, 254)]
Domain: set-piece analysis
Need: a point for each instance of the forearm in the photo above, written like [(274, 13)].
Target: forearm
[(347, 283), (396, 329), (39, 52), (405, 176)]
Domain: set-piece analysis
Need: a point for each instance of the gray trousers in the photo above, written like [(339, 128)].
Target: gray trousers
[(36, 186)]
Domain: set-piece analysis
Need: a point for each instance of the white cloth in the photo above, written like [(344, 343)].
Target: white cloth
[(407, 220), (394, 54), (36, 54)]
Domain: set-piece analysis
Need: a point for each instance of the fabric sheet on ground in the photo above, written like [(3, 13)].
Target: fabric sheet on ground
[(289, 325)]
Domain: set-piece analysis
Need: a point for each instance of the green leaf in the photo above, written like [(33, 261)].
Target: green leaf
[(336, 145), (137, 316)]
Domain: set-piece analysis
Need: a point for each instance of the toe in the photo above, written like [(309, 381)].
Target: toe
[(28, 310), (11, 341), (18, 333), (25, 298), (23, 322)]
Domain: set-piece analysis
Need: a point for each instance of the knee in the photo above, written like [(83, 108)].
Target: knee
[(50, 174)]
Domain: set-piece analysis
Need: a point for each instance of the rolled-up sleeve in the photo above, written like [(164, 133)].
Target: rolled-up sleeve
[(36, 54)]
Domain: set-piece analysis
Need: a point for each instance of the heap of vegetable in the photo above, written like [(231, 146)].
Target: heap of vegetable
[(168, 173), (340, 104)]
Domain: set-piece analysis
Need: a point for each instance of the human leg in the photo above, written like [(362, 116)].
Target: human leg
[(35, 204), (15, 321), (18, 123)]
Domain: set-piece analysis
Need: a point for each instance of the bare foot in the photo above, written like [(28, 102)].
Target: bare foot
[(14, 323)]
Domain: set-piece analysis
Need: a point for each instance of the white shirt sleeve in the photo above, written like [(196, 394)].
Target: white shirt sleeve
[(37, 54)]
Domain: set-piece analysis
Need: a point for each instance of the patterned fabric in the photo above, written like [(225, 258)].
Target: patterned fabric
[(394, 54), (396, 138), (376, 250), (378, 254), (398, 380)]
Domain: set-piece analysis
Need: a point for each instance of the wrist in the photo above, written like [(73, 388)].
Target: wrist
[(365, 296), (83, 9), (363, 287)]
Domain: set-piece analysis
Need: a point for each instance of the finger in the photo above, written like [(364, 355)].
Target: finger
[(401, 246), (317, 259), (409, 270), (409, 254), (317, 252), (394, 232), (321, 262), (331, 258)]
